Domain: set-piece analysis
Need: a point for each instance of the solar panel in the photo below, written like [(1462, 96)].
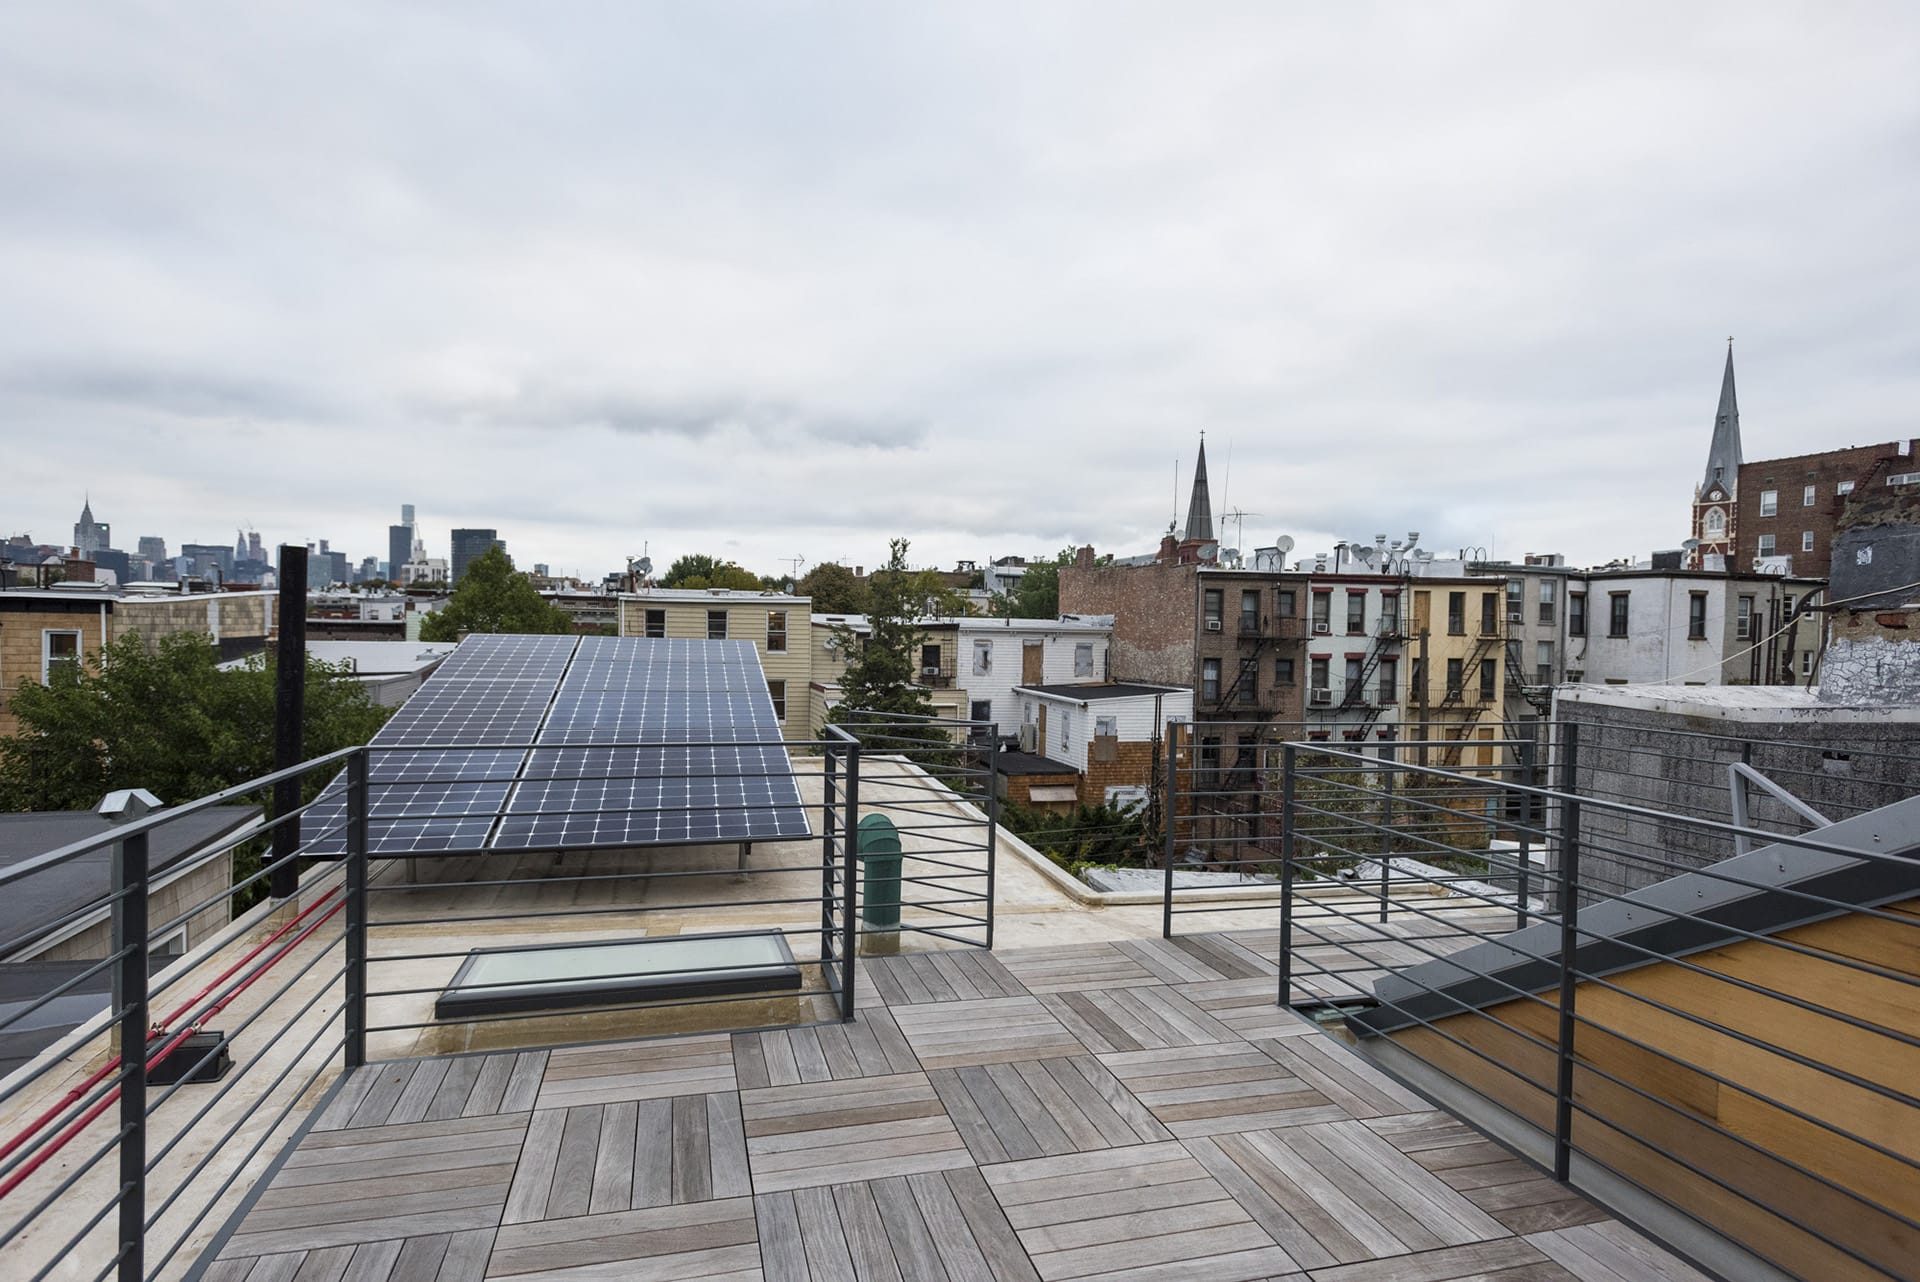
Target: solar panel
[(551, 710)]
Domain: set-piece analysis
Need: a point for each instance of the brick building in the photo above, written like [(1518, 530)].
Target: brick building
[(1788, 507), (1110, 734)]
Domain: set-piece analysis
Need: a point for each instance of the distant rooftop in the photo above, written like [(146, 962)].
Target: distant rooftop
[(982, 623), (740, 595), (1103, 690)]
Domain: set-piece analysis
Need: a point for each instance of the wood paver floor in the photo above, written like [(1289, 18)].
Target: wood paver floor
[(1116, 1111)]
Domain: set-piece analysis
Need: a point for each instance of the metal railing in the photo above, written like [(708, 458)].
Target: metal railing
[(1678, 1014), (106, 1174)]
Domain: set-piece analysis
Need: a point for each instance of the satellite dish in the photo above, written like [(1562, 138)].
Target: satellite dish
[(1284, 543), (1690, 544)]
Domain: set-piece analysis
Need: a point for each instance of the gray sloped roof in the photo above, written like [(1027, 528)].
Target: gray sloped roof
[(1749, 893), (1200, 506), (1723, 456)]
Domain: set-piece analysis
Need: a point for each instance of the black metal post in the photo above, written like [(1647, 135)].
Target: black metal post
[(1569, 946), (1287, 820), (1525, 871), (356, 1007), (993, 819), (1386, 835), (289, 714), (849, 943), (130, 1000), (829, 859), (1173, 809)]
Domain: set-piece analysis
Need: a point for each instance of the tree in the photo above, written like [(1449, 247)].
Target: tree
[(692, 565), (1037, 595), (834, 589), (880, 674), (697, 570), (494, 597), (166, 718)]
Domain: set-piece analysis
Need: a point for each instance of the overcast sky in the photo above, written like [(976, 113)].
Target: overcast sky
[(782, 280)]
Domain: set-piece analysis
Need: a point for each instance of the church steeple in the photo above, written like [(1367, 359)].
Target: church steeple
[(1200, 506), (1723, 456)]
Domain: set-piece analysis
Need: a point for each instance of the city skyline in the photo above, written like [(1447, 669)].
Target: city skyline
[(930, 274)]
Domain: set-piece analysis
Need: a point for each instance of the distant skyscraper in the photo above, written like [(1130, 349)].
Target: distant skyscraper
[(209, 560), (154, 549), (239, 546), (406, 514), (256, 550), (89, 535), (470, 545), (399, 548)]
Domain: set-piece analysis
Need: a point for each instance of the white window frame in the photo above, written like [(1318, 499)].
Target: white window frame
[(1083, 650), (1066, 725), (779, 696), (1806, 540), (1806, 495), (781, 633), (982, 656), (723, 625), (1769, 502), (46, 650), (1843, 488), (1765, 546), (1716, 523), (1109, 726)]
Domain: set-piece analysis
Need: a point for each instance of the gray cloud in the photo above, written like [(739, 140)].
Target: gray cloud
[(789, 280)]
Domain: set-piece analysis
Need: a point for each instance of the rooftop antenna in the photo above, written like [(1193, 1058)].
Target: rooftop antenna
[(1226, 483), (1239, 518), (1176, 491)]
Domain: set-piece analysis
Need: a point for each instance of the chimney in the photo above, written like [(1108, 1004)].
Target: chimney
[(1083, 559), (1169, 549)]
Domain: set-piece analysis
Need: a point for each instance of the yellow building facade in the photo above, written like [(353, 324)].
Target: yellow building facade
[(779, 626), (1457, 681)]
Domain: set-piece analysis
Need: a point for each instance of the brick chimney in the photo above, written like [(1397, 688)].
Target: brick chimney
[(1084, 557)]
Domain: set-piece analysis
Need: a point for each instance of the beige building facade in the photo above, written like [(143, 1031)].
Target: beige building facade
[(779, 626)]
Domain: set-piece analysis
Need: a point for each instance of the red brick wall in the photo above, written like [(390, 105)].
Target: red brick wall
[(1154, 617), (1789, 477), (1132, 767)]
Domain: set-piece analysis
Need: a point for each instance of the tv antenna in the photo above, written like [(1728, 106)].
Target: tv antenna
[(795, 562), (1239, 518)]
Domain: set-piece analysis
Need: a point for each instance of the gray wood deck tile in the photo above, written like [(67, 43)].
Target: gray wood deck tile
[(1336, 1193), (987, 1031), (1039, 1108), (1075, 968), (929, 1227), (328, 1265), (629, 1155), (1342, 1076), (373, 1261), (870, 1046), (1124, 1211), (1216, 1088), (637, 1071), (958, 975), (847, 1132), (1134, 1019), (1609, 1251), (702, 1239), (1512, 1191), (353, 1088), (1250, 1007), (1479, 1260)]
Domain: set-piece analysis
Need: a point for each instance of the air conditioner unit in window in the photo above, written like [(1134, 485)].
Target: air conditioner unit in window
[(1321, 629), (1319, 698), (1213, 625), (1029, 738), (1516, 616), (932, 671)]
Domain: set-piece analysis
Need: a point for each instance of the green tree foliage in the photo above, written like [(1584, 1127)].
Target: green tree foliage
[(697, 570), (834, 589), (494, 597), (1037, 595), (881, 672), (1103, 835), (167, 719)]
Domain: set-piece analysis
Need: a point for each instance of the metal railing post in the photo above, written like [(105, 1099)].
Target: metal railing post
[(849, 943), (829, 857), (1569, 945), (1287, 820), (1386, 834), (1525, 871), (993, 818), (1172, 809), (130, 1000), (358, 772)]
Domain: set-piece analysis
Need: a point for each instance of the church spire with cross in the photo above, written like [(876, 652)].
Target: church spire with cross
[(1716, 498), (1200, 506), (1723, 455)]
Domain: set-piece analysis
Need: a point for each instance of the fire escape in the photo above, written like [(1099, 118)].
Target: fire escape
[(1386, 637), (1457, 699)]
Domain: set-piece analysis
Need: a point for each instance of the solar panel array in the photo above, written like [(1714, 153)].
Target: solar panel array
[(544, 743)]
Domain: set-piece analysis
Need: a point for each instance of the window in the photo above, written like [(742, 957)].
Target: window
[(656, 623), (1765, 547), (1250, 612), (1249, 680), (982, 710), (1210, 604), (1576, 614), (1083, 659), (1845, 487), (1389, 680), (1617, 616), (716, 625), (1351, 683), (1066, 725), (1106, 728), (1390, 615), (1209, 762), (982, 656), (1283, 672), (1356, 612), (1904, 478), (777, 631), (1806, 497), (1543, 662), (1455, 675), (1548, 590), (778, 689), (1769, 502), (58, 650), (929, 660), (1210, 680), (1284, 603), (1696, 616), (1322, 610), (1743, 619), (1716, 523), (1516, 598), (1489, 679), (1317, 674), (1489, 614), (1806, 540), (1806, 663), (1457, 613)]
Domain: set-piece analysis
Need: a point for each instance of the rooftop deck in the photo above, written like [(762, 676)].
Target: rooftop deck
[(1108, 1109)]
